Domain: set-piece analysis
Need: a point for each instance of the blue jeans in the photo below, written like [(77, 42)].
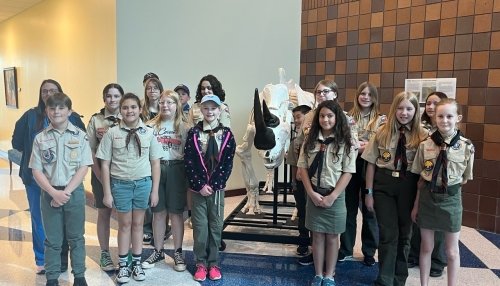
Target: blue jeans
[(33, 193)]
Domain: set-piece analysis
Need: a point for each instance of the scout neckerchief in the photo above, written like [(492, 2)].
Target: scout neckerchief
[(133, 133), (212, 153), (400, 159), (317, 163), (442, 161)]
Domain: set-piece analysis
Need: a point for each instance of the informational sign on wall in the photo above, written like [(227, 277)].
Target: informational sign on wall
[(422, 87)]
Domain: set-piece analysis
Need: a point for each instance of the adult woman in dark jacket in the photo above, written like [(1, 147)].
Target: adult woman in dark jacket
[(33, 121)]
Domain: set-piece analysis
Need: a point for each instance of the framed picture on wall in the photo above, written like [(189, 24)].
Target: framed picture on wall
[(10, 84)]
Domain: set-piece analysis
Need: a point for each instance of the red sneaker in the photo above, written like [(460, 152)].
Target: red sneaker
[(201, 273), (214, 273)]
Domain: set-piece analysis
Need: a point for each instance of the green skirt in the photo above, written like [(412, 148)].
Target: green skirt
[(330, 220), (441, 212)]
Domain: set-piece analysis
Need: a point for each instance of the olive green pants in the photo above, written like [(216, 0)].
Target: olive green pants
[(69, 219), (393, 198), (207, 217)]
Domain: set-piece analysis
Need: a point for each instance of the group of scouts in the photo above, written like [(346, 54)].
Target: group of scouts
[(144, 155), (407, 172), (167, 156)]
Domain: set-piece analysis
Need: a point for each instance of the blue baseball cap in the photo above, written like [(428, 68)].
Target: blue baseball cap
[(211, 97)]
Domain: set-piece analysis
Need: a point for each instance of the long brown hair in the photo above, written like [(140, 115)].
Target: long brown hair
[(146, 115), (356, 110)]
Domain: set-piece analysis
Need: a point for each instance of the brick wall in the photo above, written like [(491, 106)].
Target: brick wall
[(387, 41)]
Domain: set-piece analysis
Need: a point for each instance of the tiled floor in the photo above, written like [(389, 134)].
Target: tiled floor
[(243, 263)]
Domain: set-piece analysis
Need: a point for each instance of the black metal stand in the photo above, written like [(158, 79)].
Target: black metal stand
[(274, 221)]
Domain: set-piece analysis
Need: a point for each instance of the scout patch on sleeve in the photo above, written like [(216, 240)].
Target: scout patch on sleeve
[(386, 156), (428, 165), (456, 146)]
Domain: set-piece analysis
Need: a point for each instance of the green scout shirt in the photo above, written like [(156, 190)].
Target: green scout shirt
[(460, 160), (98, 125), (60, 155), (383, 156), (126, 164), (333, 165)]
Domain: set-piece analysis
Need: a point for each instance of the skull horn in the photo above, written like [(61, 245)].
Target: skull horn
[(264, 137), (270, 119)]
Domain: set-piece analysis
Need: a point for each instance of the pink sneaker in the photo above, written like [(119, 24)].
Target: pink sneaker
[(201, 273), (214, 273)]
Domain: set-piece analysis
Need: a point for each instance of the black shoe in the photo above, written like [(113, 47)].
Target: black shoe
[(369, 261), (306, 260), (412, 263), (222, 245), (80, 281), (147, 238), (302, 250), (436, 273), (52, 282)]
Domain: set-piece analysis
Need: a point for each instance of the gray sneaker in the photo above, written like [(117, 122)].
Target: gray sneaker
[(179, 263)]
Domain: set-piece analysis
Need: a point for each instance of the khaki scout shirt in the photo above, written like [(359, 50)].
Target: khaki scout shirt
[(292, 156), (304, 131), (172, 143), (195, 115), (383, 156), (98, 125), (333, 165), (364, 134), (126, 164), (460, 160), (429, 127), (205, 136), (60, 155)]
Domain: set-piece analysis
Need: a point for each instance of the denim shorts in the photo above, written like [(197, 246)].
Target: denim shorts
[(131, 195)]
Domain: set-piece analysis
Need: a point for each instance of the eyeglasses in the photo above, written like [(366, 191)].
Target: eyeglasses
[(49, 91), (323, 92), (167, 102), (152, 88)]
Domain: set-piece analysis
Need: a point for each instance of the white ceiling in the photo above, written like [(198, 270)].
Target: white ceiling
[(9, 8)]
